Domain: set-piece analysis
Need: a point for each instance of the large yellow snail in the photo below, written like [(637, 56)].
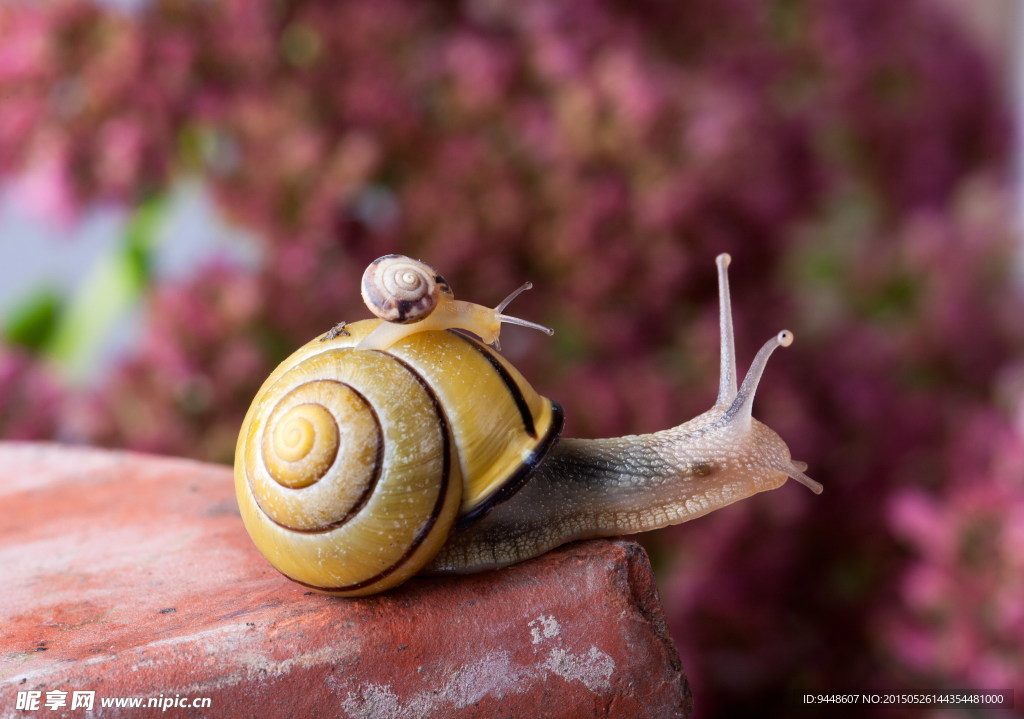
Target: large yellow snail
[(398, 446)]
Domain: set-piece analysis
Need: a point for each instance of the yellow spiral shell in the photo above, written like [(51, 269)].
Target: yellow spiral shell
[(353, 465)]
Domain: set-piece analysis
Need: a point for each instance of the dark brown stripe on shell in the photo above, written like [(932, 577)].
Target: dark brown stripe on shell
[(510, 384), (367, 491), (438, 504), (518, 479), (443, 286), (407, 308)]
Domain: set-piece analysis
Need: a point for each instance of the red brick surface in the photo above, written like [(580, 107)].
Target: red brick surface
[(132, 576)]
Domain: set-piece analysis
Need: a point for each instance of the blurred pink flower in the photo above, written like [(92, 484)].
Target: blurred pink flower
[(32, 398), (961, 619), (45, 190)]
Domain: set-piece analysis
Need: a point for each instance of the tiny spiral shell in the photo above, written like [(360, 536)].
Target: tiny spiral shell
[(399, 289)]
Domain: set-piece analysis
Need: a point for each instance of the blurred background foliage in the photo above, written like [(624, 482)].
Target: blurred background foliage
[(852, 156)]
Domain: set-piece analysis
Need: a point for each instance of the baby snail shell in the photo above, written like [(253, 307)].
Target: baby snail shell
[(404, 445), (398, 289)]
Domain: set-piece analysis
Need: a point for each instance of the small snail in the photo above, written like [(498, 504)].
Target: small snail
[(413, 298), (399, 446)]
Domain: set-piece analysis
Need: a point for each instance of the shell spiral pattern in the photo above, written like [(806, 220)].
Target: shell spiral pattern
[(402, 290), (353, 465), (334, 495)]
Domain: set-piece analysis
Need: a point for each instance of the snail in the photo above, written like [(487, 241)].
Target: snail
[(406, 445)]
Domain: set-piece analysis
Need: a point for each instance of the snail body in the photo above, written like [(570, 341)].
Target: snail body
[(396, 446)]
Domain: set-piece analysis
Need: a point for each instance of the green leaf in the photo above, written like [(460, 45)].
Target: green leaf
[(106, 297), (32, 323)]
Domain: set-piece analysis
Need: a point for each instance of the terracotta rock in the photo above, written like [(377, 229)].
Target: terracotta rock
[(132, 576)]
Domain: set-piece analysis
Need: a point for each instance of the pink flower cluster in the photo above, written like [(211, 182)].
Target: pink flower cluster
[(84, 103), (959, 612), (32, 401)]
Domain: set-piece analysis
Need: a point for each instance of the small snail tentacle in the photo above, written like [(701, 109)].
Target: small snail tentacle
[(507, 319), (515, 293)]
